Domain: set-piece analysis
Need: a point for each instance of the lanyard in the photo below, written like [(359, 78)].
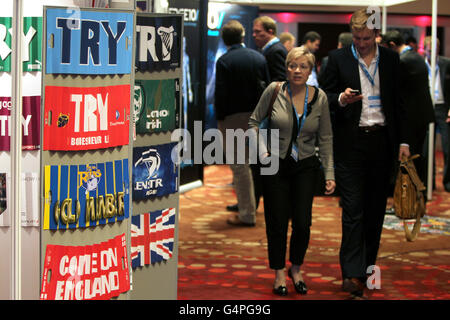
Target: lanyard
[(429, 68), (407, 48), (271, 43), (366, 72), (305, 108)]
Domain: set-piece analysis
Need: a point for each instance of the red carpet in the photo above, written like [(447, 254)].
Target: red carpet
[(221, 262)]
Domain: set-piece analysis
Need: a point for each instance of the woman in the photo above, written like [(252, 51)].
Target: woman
[(288, 194)]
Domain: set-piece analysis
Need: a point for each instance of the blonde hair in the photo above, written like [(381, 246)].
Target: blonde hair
[(427, 42), (286, 36), (359, 19), (298, 52), (268, 23)]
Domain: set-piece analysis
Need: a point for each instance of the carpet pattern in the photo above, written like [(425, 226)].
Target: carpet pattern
[(220, 262)]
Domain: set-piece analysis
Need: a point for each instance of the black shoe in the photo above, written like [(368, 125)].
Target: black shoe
[(281, 291), (233, 207), (353, 285), (299, 286), (235, 221)]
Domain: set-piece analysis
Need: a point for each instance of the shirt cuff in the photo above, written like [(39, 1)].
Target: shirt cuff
[(339, 100), (404, 145)]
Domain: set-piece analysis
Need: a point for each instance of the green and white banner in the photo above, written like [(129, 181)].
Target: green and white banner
[(31, 43), (156, 105)]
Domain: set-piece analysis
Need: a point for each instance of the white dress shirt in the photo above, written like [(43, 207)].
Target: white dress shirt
[(372, 111)]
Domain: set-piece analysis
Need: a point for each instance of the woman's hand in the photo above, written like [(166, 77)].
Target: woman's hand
[(330, 185)]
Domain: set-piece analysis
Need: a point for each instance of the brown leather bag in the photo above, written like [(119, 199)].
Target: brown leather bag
[(409, 202)]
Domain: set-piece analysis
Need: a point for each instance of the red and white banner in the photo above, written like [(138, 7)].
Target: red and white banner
[(31, 119), (86, 118), (97, 272)]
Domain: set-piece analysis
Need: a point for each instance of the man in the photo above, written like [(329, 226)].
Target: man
[(344, 40), (241, 77), (288, 40), (367, 129), (412, 42), (311, 41), (441, 102), (415, 93), (265, 37)]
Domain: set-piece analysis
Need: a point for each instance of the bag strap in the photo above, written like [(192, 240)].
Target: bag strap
[(272, 100), (411, 169)]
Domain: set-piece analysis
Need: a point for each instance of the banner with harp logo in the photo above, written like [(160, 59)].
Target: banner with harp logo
[(158, 42)]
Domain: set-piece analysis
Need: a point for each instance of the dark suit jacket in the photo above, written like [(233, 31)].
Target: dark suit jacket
[(241, 77), (343, 72), (276, 59), (415, 91), (323, 66), (444, 72)]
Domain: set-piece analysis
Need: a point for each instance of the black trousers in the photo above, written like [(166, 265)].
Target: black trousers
[(257, 183), (289, 195), (362, 180)]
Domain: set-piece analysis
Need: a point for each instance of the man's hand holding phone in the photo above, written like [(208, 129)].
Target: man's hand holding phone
[(349, 96)]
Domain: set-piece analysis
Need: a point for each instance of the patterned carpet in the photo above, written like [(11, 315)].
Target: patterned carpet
[(221, 262)]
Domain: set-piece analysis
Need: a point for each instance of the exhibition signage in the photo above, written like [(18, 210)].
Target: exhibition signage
[(93, 272), (158, 43), (155, 105), (154, 172), (31, 40), (88, 42), (86, 118), (78, 196), (31, 122), (152, 237)]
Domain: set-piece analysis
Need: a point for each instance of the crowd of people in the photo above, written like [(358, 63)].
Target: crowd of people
[(367, 106)]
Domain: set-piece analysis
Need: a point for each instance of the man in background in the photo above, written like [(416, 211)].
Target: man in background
[(441, 93), (311, 41), (288, 40), (415, 93), (265, 37), (344, 40), (241, 77)]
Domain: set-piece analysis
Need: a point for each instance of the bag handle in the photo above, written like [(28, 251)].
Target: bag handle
[(410, 168), (273, 98)]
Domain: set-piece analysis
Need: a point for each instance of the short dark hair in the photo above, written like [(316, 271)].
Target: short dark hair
[(393, 36), (311, 36), (233, 33), (411, 39), (345, 38)]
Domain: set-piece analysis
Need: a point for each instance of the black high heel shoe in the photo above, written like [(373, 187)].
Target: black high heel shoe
[(281, 291), (300, 286)]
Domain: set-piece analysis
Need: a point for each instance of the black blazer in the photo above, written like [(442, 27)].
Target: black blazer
[(343, 72), (444, 73), (276, 59), (415, 91), (241, 77)]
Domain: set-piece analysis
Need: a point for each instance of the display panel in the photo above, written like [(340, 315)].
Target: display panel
[(88, 42), (86, 118), (152, 236), (78, 196), (93, 272), (154, 172)]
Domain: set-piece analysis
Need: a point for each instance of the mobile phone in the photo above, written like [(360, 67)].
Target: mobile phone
[(356, 92)]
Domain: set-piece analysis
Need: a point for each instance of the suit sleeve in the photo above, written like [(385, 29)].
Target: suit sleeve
[(221, 90), (331, 84), (400, 103), (276, 63)]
